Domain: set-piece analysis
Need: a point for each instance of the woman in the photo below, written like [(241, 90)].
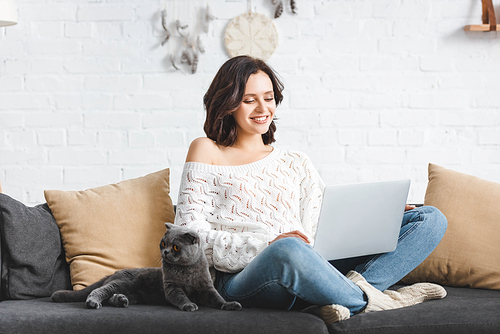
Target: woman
[(256, 209)]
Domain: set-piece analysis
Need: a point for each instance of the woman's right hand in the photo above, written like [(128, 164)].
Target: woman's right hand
[(293, 234)]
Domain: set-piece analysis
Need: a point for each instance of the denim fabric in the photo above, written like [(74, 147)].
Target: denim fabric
[(290, 270)]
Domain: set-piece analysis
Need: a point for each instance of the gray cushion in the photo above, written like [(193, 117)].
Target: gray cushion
[(33, 263)]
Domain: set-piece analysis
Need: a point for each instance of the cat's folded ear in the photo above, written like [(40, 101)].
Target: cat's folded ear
[(192, 237), (169, 225)]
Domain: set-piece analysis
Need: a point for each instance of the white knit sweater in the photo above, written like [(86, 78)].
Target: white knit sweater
[(238, 210)]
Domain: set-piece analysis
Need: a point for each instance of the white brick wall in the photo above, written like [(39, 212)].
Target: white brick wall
[(374, 90)]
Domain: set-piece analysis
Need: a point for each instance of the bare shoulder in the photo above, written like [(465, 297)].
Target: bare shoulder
[(202, 150)]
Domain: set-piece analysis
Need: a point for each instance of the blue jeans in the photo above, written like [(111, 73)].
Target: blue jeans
[(289, 271)]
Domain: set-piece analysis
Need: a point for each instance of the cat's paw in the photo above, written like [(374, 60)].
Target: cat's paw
[(90, 303), (231, 306), (190, 307), (119, 300)]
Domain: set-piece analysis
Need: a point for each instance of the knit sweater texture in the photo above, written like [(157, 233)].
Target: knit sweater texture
[(239, 210)]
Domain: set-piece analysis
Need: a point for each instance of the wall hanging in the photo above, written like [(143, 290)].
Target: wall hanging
[(251, 34), (279, 7), (185, 24)]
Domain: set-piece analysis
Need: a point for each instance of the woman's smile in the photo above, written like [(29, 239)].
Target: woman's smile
[(260, 119)]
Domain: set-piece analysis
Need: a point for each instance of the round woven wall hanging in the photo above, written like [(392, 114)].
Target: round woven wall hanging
[(251, 34)]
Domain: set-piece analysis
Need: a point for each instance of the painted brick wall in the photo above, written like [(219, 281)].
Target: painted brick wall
[(375, 90)]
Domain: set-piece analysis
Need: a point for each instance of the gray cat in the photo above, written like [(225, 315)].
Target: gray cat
[(183, 280)]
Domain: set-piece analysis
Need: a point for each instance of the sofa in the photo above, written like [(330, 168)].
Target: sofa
[(37, 259)]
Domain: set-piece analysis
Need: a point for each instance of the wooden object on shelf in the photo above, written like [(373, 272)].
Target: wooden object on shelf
[(489, 19)]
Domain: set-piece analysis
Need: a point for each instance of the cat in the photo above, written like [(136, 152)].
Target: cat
[(183, 280)]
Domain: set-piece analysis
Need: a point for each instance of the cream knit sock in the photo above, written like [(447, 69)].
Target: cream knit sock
[(333, 313), (329, 313), (389, 299)]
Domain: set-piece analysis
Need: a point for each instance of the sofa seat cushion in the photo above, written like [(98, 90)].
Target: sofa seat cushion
[(43, 316), (463, 310)]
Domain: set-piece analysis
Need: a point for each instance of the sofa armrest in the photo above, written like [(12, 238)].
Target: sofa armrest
[(1, 256), (1, 264)]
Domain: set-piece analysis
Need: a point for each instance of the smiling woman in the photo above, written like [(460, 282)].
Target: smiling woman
[(256, 209)]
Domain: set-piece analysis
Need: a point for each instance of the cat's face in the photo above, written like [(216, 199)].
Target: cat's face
[(180, 245)]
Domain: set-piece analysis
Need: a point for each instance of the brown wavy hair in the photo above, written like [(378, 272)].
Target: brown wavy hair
[(225, 95)]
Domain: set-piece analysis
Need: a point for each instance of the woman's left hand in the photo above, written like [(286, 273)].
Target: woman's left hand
[(409, 207)]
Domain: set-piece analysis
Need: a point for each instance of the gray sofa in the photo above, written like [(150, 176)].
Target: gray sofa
[(33, 266)]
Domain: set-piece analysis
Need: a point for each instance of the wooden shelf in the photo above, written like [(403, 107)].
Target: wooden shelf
[(489, 19), (480, 27)]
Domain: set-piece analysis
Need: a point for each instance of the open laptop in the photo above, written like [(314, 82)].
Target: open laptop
[(360, 219)]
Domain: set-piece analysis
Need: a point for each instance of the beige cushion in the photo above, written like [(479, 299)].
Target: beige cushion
[(469, 254), (112, 227)]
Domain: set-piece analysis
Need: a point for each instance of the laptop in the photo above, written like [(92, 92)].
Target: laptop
[(360, 219)]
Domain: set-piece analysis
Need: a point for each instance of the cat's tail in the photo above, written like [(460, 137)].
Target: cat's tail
[(63, 296)]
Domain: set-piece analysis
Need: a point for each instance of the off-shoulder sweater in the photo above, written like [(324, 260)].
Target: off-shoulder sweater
[(239, 210)]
